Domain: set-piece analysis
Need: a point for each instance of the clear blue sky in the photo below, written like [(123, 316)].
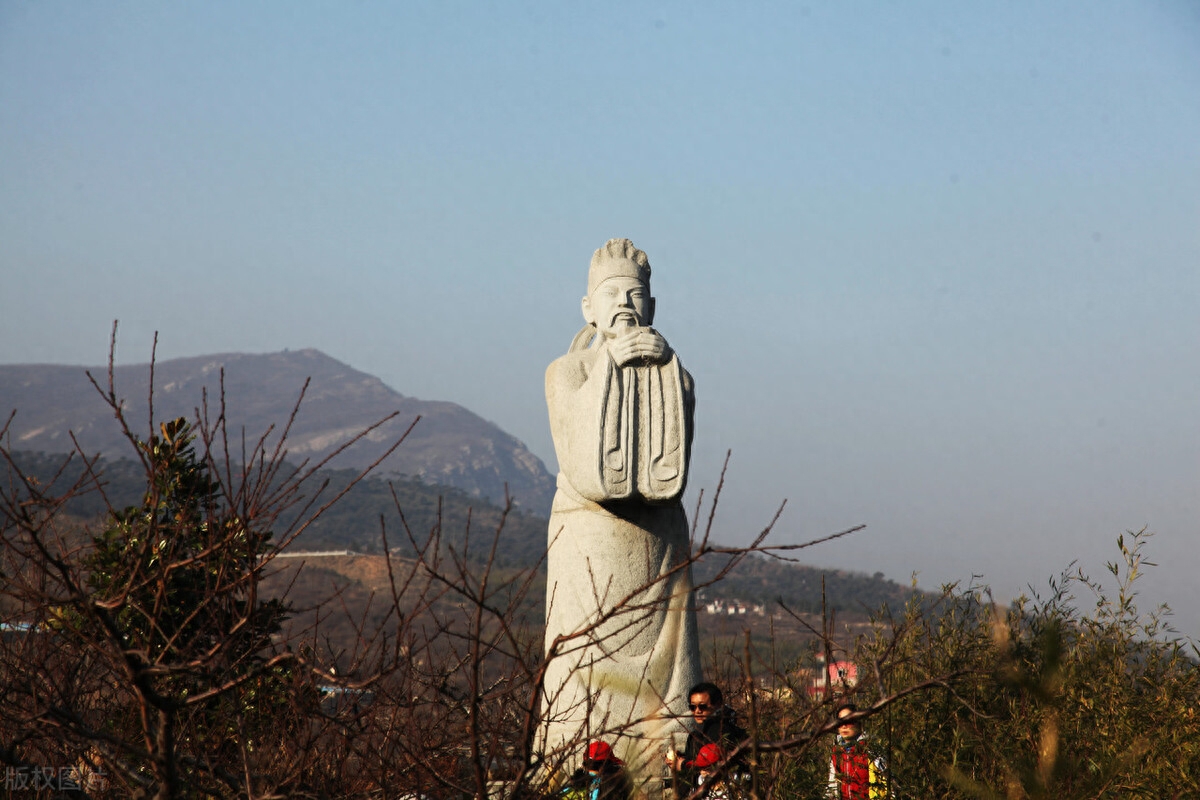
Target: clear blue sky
[(935, 266)]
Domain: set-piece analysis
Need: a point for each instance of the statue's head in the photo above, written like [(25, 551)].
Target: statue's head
[(618, 295)]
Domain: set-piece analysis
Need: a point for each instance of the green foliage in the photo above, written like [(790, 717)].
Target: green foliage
[(177, 567), (163, 613), (1046, 701)]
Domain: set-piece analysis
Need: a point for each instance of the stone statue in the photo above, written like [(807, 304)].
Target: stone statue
[(620, 617)]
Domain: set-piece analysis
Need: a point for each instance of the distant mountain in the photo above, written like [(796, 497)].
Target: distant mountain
[(450, 445)]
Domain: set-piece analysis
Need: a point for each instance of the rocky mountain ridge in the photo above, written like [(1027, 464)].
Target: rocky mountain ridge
[(450, 445)]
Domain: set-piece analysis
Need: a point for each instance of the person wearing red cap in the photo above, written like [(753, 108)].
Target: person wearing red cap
[(601, 753), (602, 777), (706, 763)]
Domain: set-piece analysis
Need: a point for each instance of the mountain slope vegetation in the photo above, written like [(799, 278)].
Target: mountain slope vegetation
[(404, 509)]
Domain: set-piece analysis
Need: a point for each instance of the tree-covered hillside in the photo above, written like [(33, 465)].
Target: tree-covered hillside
[(398, 506)]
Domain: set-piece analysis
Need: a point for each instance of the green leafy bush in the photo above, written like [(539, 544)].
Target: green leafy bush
[(1046, 700)]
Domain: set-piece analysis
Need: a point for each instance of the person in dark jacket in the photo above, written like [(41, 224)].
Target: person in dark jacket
[(715, 724)]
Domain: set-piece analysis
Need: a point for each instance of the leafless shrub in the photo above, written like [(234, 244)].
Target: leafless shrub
[(142, 656)]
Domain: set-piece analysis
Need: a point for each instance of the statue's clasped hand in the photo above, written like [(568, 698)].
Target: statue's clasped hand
[(639, 347)]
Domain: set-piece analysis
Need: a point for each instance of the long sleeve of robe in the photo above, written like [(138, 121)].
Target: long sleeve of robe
[(620, 432), (620, 619)]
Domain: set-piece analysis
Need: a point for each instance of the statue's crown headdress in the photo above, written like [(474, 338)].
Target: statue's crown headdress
[(618, 258)]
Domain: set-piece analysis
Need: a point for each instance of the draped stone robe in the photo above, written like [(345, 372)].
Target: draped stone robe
[(620, 618)]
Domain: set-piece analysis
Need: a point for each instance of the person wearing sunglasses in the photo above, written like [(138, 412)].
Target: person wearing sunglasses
[(715, 724)]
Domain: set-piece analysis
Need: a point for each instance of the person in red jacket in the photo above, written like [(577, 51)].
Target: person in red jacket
[(855, 772)]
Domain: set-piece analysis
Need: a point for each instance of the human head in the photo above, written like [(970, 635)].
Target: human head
[(704, 700), (847, 730), (599, 756), (618, 289), (709, 756)]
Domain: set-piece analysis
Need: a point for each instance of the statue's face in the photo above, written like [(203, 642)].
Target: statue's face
[(617, 305)]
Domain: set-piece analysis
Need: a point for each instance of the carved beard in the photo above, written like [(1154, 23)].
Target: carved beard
[(632, 322)]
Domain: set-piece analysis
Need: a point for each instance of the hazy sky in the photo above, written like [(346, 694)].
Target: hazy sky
[(935, 267)]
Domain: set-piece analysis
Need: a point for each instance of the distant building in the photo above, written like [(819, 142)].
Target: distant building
[(842, 676), (734, 607)]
